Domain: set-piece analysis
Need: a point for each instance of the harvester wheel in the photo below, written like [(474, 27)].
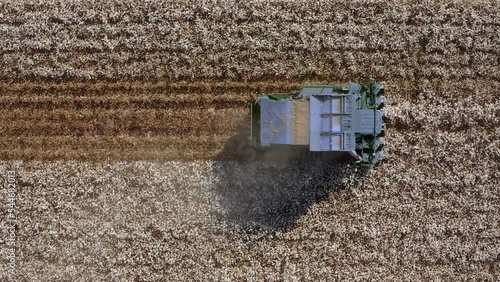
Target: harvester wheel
[(382, 133)]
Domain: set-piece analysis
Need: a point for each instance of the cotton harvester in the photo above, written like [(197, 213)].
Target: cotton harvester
[(317, 120)]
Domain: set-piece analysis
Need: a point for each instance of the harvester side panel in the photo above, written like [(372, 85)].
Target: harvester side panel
[(330, 123)]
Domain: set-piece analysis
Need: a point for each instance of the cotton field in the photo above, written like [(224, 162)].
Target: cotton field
[(120, 123)]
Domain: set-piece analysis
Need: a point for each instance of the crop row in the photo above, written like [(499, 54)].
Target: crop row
[(117, 101), (246, 65), (140, 88), (106, 148), (256, 36), (247, 41), (160, 12), (121, 122)]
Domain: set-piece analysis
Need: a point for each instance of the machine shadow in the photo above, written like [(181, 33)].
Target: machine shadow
[(265, 195)]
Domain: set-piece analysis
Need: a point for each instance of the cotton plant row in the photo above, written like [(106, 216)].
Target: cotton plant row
[(387, 219), (206, 35), (128, 101), (290, 64), (223, 35), (76, 12), (468, 112), (113, 11), (139, 89), (206, 39)]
